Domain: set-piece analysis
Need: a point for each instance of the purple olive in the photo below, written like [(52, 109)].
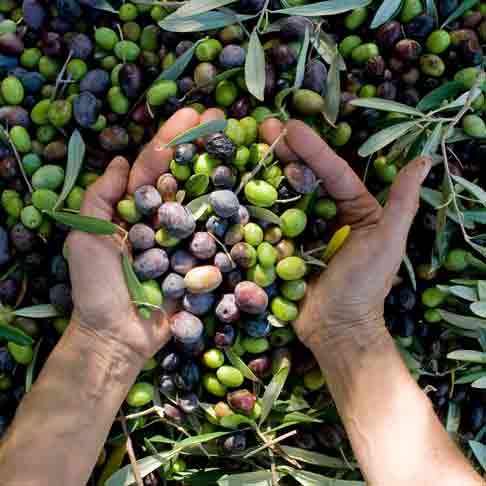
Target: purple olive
[(177, 220), (182, 262), (241, 401), (251, 298), (202, 245), (186, 327), (147, 199), (151, 264), (198, 304), (227, 311), (173, 286), (300, 177), (141, 236)]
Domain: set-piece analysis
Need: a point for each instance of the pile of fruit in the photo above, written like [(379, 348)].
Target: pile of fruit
[(230, 232)]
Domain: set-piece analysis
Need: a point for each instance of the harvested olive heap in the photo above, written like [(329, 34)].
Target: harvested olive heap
[(232, 233)]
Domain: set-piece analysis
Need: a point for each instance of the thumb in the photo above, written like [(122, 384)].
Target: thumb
[(403, 201), (102, 196)]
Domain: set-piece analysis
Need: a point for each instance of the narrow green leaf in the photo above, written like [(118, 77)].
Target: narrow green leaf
[(327, 48), (480, 383), (307, 478), (160, 439), (202, 130), (272, 392), (202, 22), (431, 10), (384, 137), (471, 377), (314, 458), (332, 100), (87, 224), (199, 206), (410, 271), (453, 419), (103, 5), (29, 374), (411, 363), (481, 289), (125, 476), (15, 335), (239, 364), (137, 292), (475, 215), (196, 185), (298, 417), (474, 189), (195, 7), (385, 12), (463, 7), (264, 215), (386, 105), (198, 439), (41, 311), (257, 478), (478, 308), (462, 291), (173, 72), (329, 7), (227, 74), (300, 70), (479, 451), (255, 67), (76, 151), (279, 101), (436, 200), (433, 142), (468, 356), (463, 322), (434, 98)]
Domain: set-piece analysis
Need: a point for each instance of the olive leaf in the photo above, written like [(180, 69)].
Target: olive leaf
[(410, 270), (481, 287), (15, 335), (103, 5), (384, 138), (199, 206), (433, 142), (386, 105), (196, 185), (264, 215), (201, 22), (453, 419), (307, 478), (468, 356), (475, 215), (436, 200), (327, 48), (29, 374), (300, 70), (87, 224), (329, 7), (461, 291), (463, 7), (474, 189), (479, 451), (41, 311), (76, 151), (431, 10), (478, 308), (479, 383), (137, 292), (202, 130), (314, 458), (239, 364), (272, 392), (463, 322), (279, 102), (385, 12), (256, 478), (457, 135), (195, 7), (333, 96), (255, 67), (173, 72), (470, 377), (437, 96)]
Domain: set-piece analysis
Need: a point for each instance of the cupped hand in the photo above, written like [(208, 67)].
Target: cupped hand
[(102, 304), (348, 297)]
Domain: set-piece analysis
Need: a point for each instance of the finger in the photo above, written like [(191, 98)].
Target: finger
[(154, 159), (270, 130), (403, 201), (212, 114), (339, 180), (102, 196)]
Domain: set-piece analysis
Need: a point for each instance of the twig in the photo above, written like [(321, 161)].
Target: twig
[(261, 163), (61, 74), (131, 453), (270, 443), (157, 409)]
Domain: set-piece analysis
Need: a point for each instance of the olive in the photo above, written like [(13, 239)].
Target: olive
[(186, 327), (96, 81), (86, 109), (34, 13), (4, 247), (175, 219), (224, 203), (232, 56), (251, 298), (182, 262), (220, 146), (474, 126), (202, 245), (241, 401), (198, 304), (307, 102), (294, 27)]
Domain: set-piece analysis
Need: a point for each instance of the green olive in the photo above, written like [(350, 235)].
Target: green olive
[(106, 38), (31, 217), (456, 260), (291, 268), (294, 289), (438, 41), (12, 90), (267, 254), (314, 379), (230, 376), (363, 52), (44, 199), (255, 345), (213, 358), (433, 297), (22, 354), (48, 177), (253, 234), (284, 309), (474, 126), (128, 211), (213, 385), (260, 193), (348, 44), (294, 222), (21, 139), (157, 95), (410, 9), (141, 394), (308, 102), (356, 18)]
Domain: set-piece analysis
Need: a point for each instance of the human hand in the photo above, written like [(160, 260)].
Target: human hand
[(348, 297), (102, 304)]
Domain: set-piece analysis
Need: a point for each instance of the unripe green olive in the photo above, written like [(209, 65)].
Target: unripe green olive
[(363, 52), (474, 126), (308, 102)]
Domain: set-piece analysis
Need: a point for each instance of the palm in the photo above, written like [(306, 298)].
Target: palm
[(101, 297)]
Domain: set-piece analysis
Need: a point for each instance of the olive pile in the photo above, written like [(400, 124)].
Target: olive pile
[(203, 236)]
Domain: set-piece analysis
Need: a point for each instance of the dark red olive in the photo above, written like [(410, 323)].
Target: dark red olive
[(131, 80), (389, 34)]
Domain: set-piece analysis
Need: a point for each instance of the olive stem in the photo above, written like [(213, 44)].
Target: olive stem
[(270, 443), (155, 408), (130, 451), (61, 74)]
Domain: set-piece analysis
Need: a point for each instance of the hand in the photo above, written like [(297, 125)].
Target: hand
[(349, 295), (102, 304)]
